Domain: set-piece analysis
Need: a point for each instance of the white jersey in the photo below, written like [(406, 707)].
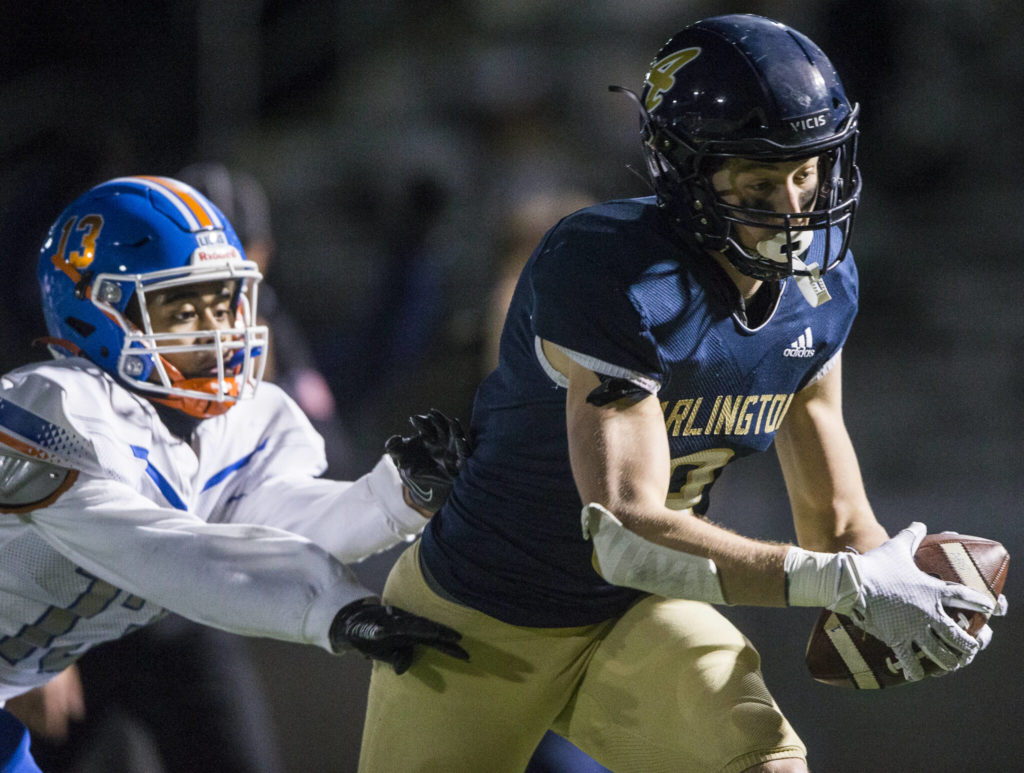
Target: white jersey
[(233, 530)]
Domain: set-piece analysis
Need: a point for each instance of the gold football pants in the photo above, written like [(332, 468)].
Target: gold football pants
[(669, 686)]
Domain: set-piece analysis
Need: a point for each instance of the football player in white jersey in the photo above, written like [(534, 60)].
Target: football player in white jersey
[(142, 470)]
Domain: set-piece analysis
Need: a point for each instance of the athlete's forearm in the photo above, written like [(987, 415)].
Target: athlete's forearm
[(620, 459), (750, 571), (351, 521), (830, 506)]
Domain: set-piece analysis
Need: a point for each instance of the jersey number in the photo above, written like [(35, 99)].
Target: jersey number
[(56, 621), (703, 469)]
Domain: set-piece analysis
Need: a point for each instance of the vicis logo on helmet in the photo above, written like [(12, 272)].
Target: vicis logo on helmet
[(815, 121)]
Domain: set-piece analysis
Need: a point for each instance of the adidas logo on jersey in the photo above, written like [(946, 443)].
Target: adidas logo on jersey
[(802, 346)]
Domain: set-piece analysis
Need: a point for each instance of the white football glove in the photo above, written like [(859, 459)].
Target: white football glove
[(885, 593), (984, 635)]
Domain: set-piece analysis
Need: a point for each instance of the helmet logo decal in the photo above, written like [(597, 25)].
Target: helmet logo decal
[(809, 122), (214, 245), (90, 225), (662, 76)]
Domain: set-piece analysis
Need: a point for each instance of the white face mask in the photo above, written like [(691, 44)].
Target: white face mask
[(238, 352)]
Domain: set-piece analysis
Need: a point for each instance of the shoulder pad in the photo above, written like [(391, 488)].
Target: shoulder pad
[(49, 412), (29, 484)]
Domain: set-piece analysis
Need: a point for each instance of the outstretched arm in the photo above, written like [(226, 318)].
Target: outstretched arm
[(388, 505)]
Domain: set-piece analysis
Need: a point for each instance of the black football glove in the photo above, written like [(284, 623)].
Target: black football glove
[(429, 460), (384, 632)]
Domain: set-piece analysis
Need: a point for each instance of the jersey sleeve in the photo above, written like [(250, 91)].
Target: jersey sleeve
[(585, 300), (248, 579), (350, 520)]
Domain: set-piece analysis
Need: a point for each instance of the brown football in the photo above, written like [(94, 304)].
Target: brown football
[(841, 654)]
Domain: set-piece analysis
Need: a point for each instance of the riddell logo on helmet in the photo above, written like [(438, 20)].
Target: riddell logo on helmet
[(809, 122), (218, 252)]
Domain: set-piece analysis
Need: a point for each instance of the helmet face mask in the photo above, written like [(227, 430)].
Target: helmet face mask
[(118, 246), (148, 354), (746, 87)]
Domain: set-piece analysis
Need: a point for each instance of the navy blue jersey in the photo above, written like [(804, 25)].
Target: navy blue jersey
[(614, 283)]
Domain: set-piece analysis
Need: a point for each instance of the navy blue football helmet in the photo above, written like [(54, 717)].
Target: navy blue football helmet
[(743, 86), (136, 235)]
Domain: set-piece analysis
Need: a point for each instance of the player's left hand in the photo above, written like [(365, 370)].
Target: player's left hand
[(387, 633), (888, 596), (429, 460)]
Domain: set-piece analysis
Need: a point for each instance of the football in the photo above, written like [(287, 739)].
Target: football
[(841, 654)]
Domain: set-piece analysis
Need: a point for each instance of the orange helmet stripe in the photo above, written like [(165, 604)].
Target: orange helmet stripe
[(186, 199)]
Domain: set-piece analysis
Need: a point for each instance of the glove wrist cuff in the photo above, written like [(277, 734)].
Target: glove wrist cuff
[(812, 578), (337, 634)]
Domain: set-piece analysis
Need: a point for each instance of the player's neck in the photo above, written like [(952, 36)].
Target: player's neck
[(180, 424), (747, 285)]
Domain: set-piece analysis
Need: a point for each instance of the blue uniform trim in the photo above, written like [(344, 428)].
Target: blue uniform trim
[(157, 477), (39, 438), (167, 489), (25, 423), (217, 478), (15, 756)]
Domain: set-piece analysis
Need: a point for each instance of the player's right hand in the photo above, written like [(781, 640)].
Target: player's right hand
[(429, 460), (387, 633), (888, 596)]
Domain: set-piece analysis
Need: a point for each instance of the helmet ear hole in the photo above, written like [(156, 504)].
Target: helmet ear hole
[(80, 326)]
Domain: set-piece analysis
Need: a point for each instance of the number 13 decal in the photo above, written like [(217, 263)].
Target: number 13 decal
[(90, 226), (704, 467)]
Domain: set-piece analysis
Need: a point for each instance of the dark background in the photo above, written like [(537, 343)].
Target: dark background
[(396, 137)]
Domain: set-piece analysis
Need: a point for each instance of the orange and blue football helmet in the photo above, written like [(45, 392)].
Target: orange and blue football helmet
[(133, 236)]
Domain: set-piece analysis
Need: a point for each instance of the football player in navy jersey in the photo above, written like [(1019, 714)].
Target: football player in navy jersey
[(649, 343)]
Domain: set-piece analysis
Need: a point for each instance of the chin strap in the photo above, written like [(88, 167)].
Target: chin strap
[(197, 407), (811, 285), (58, 347)]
